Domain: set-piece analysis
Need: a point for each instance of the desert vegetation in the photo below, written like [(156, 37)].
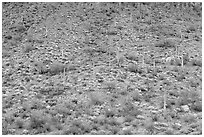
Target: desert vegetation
[(101, 68)]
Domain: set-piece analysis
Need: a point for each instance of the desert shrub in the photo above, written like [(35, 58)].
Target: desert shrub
[(132, 68), (111, 121), (128, 108), (166, 43), (56, 91), (97, 98), (70, 67), (189, 118), (28, 47), (196, 62), (190, 29), (109, 112), (133, 56), (40, 67), (149, 125), (110, 85), (89, 51), (169, 131), (37, 120), (19, 123), (56, 68), (114, 130), (72, 130), (175, 61), (62, 109), (101, 119), (36, 104), (5, 53), (197, 106), (188, 97), (136, 96)]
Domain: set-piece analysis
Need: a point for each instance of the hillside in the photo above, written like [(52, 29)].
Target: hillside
[(101, 68)]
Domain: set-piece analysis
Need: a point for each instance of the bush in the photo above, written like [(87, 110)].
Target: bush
[(197, 106), (19, 123), (132, 68), (28, 47), (57, 68), (189, 118), (190, 29), (166, 43), (40, 67), (37, 120), (97, 98), (110, 85), (196, 62), (133, 56)]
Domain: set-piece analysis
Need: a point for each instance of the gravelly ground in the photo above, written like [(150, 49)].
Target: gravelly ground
[(102, 68)]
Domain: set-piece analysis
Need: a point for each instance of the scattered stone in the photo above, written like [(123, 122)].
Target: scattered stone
[(185, 108), (161, 124), (154, 112), (140, 117), (48, 107), (151, 107), (130, 128), (25, 131), (177, 126)]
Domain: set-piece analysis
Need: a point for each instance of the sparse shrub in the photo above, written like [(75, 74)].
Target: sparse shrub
[(127, 131), (133, 56), (5, 53), (110, 85), (100, 119), (19, 123), (136, 96), (166, 43), (72, 130), (189, 118), (196, 62), (89, 51), (190, 29), (61, 109), (13, 43), (114, 130), (70, 67), (197, 106), (97, 98), (28, 47), (175, 61), (149, 125), (132, 68), (120, 58), (169, 131), (56, 68), (109, 112), (129, 118), (40, 67), (111, 121), (188, 97), (128, 108), (38, 121)]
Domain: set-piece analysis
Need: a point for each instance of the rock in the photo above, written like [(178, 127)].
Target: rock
[(161, 124), (140, 117), (151, 107), (185, 108), (154, 112), (177, 126), (127, 129)]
